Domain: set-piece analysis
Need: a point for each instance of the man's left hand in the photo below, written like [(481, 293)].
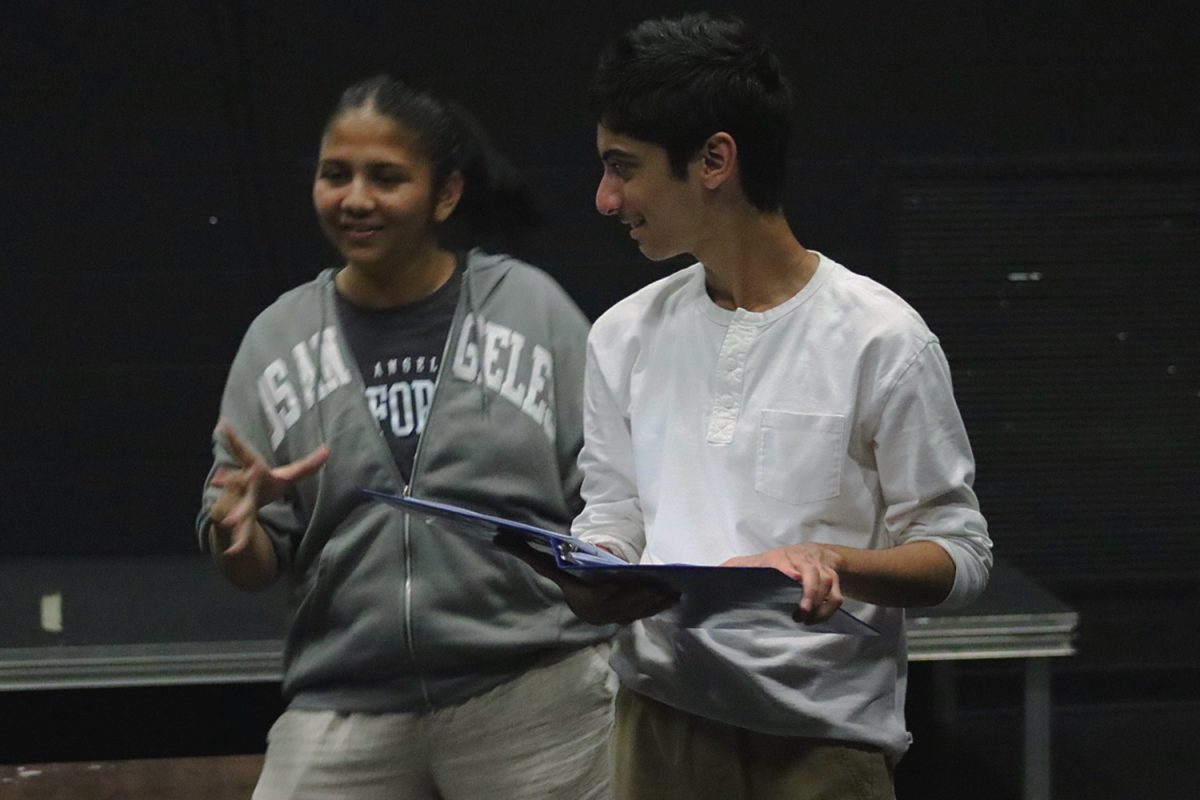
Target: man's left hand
[(816, 568)]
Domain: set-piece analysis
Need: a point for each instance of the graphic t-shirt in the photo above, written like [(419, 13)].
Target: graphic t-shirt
[(399, 353)]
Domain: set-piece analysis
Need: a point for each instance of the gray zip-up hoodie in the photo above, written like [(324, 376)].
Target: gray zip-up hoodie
[(389, 612)]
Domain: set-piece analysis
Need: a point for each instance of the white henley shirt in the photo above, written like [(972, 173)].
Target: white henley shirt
[(712, 433)]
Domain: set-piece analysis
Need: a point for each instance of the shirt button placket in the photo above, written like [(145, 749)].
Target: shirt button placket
[(731, 362)]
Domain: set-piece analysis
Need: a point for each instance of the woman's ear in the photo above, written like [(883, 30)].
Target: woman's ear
[(718, 160), (448, 197)]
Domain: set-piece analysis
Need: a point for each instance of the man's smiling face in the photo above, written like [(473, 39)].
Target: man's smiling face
[(639, 188)]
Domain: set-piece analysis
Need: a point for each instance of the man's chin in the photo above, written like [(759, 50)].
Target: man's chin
[(657, 253)]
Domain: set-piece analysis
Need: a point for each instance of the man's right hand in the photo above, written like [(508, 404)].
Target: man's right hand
[(595, 603)]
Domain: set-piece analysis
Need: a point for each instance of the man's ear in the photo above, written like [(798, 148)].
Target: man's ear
[(448, 197), (718, 160)]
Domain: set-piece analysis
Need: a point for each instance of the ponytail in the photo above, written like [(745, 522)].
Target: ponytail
[(496, 206)]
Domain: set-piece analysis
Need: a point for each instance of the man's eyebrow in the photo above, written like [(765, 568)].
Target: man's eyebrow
[(618, 153)]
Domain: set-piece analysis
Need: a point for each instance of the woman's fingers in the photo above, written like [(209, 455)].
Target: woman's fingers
[(241, 453), (256, 481), (222, 477), (241, 537), (303, 467)]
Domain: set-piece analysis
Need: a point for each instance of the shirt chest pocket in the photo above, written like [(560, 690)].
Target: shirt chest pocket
[(799, 456)]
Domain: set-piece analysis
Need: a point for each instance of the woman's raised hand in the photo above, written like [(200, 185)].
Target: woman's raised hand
[(251, 486)]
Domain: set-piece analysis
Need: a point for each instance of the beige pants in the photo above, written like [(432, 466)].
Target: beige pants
[(663, 753), (543, 736)]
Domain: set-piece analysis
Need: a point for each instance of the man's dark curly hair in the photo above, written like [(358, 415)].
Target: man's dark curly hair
[(675, 82)]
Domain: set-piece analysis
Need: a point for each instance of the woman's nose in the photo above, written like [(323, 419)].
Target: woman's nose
[(358, 196)]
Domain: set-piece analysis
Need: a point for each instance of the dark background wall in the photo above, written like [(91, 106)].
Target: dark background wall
[(1026, 174)]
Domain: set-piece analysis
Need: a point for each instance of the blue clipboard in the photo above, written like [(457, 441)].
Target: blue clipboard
[(712, 598)]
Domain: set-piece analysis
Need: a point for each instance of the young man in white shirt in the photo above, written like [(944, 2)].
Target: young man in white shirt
[(763, 407)]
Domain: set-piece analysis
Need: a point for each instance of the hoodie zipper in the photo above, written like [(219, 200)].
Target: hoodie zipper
[(406, 487), (459, 317)]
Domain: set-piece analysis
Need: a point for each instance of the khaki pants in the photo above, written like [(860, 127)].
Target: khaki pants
[(662, 753), (542, 736)]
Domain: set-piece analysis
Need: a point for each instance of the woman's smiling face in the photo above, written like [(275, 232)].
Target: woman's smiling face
[(374, 193)]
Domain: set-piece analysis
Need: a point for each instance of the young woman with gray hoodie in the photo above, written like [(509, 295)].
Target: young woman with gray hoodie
[(418, 663)]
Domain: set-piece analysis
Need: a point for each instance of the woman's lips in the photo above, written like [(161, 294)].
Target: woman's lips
[(360, 234)]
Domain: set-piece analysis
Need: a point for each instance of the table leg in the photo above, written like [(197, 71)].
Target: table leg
[(1037, 729), (945, 694)]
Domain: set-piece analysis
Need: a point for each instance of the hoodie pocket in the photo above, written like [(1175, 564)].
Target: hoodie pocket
[(315, 596), (799, 456)]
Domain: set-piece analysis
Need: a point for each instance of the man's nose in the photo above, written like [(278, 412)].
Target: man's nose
[(608, 197)]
